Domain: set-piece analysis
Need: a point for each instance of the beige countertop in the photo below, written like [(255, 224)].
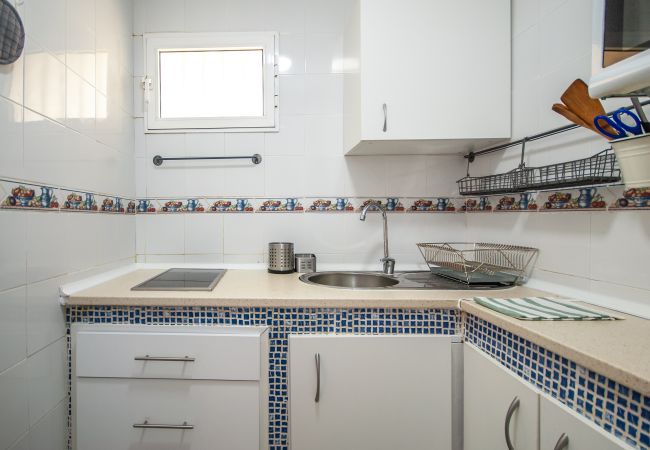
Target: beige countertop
[(260, 288), (616, 349)]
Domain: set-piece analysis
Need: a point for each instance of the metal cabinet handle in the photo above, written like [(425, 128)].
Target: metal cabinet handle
[(514, 406), (385, 128), (317, 360), (165, 358), (562, 443), (162, 426)]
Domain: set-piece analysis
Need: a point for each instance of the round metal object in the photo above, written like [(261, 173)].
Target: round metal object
[(350, 280)]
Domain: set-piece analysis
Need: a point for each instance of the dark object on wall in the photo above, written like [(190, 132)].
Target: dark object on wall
[(158, 160), (602, 168), (12, 33)]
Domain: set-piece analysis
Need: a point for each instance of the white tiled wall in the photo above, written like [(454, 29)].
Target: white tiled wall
[(305, 158), (551, 47), (599, 254), (66, 119)]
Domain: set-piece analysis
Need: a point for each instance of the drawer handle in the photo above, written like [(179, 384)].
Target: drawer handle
[(317, 360), (165, 358), (563, 442), (514, 406), (162, 426), (385, 127)]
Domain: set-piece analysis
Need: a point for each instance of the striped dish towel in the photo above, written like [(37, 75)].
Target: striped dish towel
[(540, 308)]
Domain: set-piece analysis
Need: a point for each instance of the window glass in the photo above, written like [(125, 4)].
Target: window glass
[(211, 83)]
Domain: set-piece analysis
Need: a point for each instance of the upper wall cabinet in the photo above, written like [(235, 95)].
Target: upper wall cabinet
[(426, 76)]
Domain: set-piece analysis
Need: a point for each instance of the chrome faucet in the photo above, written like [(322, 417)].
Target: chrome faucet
[(388, 262)]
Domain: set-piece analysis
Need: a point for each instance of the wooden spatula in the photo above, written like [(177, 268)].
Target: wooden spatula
[(567, 113), (577, 99)]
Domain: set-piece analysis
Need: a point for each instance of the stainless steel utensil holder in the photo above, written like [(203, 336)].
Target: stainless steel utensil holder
[(305, 262), (281, 259)]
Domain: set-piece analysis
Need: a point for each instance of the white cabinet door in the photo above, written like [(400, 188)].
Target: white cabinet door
[(557, 420), (375, 392), (489, 392), (223, 414), (441, 68)]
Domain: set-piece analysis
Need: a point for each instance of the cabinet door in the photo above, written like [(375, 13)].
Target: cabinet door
[(556, 419), (489, 393), (223, 414), (441, 67), (375, 393)]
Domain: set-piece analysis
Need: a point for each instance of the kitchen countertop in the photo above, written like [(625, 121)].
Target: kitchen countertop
[(615, 349), (260, 288)]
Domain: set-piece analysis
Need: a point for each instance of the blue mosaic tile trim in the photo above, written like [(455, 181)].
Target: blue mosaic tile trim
[(281, 322), (616, 408)]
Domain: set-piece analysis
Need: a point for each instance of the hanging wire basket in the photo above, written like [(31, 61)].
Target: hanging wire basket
[(601, 168)]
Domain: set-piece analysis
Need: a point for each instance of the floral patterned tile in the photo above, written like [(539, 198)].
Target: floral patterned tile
[(480, 204), (526, 201), (79, 201), (340, 204), (636, 198), (145, 206), (437, 205), (573, 199), (191, 205), (280, 205), (114, 205), (21, 195), (130, 206), (231, 205), (392, 204)]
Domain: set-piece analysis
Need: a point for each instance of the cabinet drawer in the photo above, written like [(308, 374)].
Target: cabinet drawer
[(222, 414), (167, 354)]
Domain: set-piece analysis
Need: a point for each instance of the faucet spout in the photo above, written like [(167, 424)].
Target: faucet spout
[(388, 262)]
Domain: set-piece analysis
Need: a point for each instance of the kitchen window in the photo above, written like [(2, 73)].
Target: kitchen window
[(210, 81)]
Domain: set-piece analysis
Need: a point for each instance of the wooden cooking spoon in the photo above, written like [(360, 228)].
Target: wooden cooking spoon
[(577, 99)]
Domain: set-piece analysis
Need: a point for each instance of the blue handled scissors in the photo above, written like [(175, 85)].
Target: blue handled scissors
[(622, 128)]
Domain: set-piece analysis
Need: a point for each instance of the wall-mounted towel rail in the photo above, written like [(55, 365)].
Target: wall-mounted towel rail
[(471, 155), (158, 160)]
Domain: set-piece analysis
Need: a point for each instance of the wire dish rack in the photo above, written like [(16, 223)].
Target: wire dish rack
[(479, 263), (601, 168)]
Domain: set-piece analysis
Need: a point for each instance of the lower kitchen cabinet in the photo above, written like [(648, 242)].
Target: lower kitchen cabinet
[(145, 387), (563, 429), (352, 392), (197, 414), (497, 404)]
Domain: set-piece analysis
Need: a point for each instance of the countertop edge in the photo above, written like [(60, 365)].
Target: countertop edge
[(258, 302), (624, 377)]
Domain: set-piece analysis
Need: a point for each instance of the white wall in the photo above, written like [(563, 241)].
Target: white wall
[(594, 255), (304, 159), (65, 121), (590, 255)]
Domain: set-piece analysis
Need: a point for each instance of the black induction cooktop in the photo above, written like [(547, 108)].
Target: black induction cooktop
[(183, 280)]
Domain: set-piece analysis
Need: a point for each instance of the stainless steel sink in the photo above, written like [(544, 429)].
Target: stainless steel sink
[(351, 280), (400, 280)]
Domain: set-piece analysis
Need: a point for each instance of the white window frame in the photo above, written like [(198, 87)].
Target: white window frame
[(154, 43)]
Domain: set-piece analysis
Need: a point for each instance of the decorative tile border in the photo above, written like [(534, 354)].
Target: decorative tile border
[(339, 204), (26, 196), (616, 408), (281, 322), (288, 205)]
